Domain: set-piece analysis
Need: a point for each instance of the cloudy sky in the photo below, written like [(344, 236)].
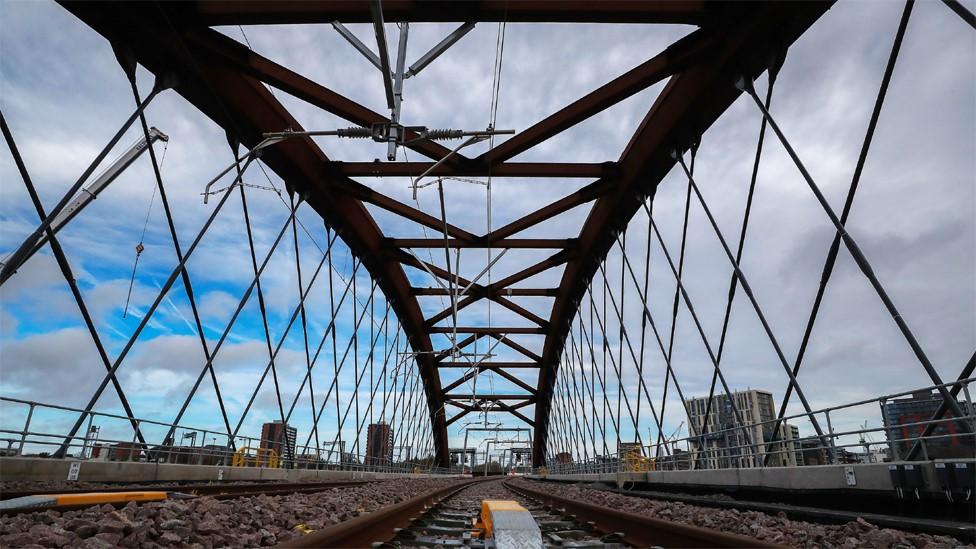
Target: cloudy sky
[(63, 95)]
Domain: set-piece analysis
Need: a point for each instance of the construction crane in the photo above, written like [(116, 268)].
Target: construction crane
[(866, 441)]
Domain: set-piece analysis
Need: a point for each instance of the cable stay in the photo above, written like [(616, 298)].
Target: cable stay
[(140, 247)]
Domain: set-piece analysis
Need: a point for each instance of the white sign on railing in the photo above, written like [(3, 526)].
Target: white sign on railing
[(849, 476), (73, 470)]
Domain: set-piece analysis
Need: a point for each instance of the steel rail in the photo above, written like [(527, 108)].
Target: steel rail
[(363, 531), (639, 530), (828, 515)]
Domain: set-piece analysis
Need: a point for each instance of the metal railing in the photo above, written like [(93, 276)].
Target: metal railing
[(712, 450), (33, 438)]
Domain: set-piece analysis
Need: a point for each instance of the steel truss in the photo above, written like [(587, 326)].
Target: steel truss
[(230, 83)]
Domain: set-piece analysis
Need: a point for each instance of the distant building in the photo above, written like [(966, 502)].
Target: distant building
[(812, 453), (309, 461), (463, 457), (678, 460), (725, 444), (631, 456), (521, 457), (126, 451), (793, 433), (379, 444), (279, 437), (564, 458), (874, 455), (901, 414)]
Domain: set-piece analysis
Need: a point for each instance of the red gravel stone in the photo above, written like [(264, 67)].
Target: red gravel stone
[(772, 528), (205, 522)]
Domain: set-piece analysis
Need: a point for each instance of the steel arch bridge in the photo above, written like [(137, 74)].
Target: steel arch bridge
[(703, 74)]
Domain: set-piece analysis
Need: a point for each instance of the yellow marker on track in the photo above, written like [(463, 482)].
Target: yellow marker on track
[(88, 498), (98, 498), (508, 525)]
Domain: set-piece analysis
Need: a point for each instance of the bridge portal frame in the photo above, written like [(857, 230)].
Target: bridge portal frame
[(226, 82)]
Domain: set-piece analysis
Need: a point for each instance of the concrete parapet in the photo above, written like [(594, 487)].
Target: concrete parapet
[(853, 477), (47, 469)]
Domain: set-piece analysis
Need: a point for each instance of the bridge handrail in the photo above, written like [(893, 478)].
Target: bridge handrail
[(716, 456), (305, 456)]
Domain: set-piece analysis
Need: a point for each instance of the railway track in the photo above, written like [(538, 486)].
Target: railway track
[(454, 516), (962, 529), (458, 518)]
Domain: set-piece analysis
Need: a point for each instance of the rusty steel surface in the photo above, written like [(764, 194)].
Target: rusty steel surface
[(640, 530), (226, 81), (526, 11), (364, 530)]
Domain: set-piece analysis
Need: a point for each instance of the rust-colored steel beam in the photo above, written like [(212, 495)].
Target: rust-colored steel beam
[(477, 292), (588, 193), (461, 380), (527, 292), (447, 312), (516, 381), (520, 404), (223, 50), (484, 367), (516, 347), (507, 330), (514, 411), (689, 104), (403, 257), (487, 397), (661, 66), (508, 365), (364, 193), (476, 296), (461, 345), (550, 262), (474, 168), (521, 311), (458, 416), (497, 406), (247, 12), (514, 243)]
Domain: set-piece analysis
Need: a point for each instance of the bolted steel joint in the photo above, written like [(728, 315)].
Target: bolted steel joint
[(744, 83)]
